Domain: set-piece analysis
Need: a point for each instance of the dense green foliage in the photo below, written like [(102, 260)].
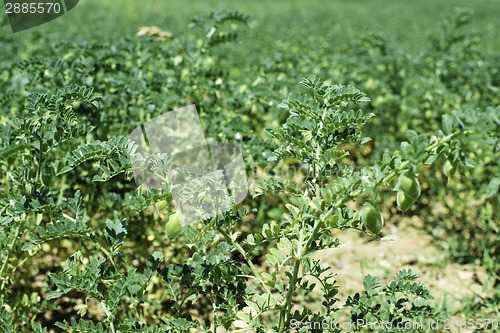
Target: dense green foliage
[(366, 116)]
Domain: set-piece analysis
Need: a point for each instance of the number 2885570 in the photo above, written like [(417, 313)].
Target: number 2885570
[(33, 8)]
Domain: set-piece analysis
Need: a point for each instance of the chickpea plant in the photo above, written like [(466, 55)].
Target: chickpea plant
[(32, 213), (218, 269), (318, 127)]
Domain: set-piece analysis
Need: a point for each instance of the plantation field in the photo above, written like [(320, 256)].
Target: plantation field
[(345, 167)]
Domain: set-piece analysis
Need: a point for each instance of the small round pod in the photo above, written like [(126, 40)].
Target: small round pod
[(372, 218), (450, 168), (46, 176), (174, 226), (409, 184), (161, 205), (404, 201)]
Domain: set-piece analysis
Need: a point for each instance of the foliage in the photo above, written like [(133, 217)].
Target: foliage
[(71, 213)]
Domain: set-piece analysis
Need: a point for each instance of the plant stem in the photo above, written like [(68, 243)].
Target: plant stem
[(184, 298), (9, 253), (428, 149), (108, 314), (136, 304), (40, 155), (394, 173), (285, 312), (69, 218), (444, 140), (61, 189), (249, 262)]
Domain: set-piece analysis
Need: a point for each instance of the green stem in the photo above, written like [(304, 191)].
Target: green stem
[(403, 165), (9, 253), (285, 312), (70, 218), (108, 314), (184, 298), (136, 304), (445, 140), (40, 155), (249, 262), (61, 189), (395, 172), (311, 238)]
